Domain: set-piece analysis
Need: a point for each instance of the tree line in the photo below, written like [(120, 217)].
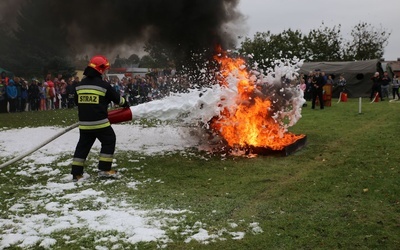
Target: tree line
[(322, 44)]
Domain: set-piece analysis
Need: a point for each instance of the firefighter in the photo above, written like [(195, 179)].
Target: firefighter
[(92, 96)]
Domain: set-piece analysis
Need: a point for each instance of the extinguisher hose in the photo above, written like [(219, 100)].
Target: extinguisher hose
[(115, 116), (340, 97), (5, 164), (373, 100)]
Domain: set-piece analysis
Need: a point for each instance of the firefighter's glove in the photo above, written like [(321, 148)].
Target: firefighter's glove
[(126, 104)]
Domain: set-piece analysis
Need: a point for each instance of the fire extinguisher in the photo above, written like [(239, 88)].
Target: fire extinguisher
[(376, 98), (343, 97)]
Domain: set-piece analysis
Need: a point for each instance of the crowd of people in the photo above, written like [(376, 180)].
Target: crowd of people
[(139, 89), (18, 94), (313, 83), (381, 86), (312, 86)]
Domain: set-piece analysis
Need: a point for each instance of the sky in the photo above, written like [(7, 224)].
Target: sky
[(279, 15)]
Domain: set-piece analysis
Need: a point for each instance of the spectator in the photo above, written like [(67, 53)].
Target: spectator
[(18, 85), (12, 94), (317, 89), (57, 94), (342, 83), (395, 88), (128, 91), (24, 95), (324, 77), (135, 91), (329, 80), (50, 93), (4, 82), (42, 95), (57, 87), (3, 99), (376, 86), (308, 93), (302, 84), (122, 87), (70, 90), (144, 91), (63, 93), (385, 83), (33, 95)]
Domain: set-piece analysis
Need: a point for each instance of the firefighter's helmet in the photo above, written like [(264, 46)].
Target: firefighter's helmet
[(99, 63)]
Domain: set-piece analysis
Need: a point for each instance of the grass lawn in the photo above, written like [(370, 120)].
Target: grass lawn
[(342, 190)]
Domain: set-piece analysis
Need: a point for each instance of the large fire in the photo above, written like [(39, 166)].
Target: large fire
[(251, 122)]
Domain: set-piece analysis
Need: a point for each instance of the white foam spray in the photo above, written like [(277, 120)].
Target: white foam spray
[(199, 106)]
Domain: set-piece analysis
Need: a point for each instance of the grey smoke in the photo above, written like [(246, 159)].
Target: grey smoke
[(180, 25)]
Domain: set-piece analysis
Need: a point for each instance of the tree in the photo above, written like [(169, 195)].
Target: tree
[(160, 54), (289, 43), (119, 62), (6, 42), (147, 62), (324, 44), (60, 65), (122, 62), (258, 49), (40, 42), (367, 42), (266, 47), (134, 59)]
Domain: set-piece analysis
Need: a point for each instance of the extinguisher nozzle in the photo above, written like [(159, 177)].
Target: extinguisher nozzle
[(120, 115)]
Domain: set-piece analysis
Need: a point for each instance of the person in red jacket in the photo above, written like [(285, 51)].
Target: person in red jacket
[(92, 96)]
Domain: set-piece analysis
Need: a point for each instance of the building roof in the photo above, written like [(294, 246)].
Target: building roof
[(394, 66)]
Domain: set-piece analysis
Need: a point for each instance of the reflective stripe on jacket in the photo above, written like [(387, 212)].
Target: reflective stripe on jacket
[(92, 97)]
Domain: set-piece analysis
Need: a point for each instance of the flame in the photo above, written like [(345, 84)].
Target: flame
[(250, 123)]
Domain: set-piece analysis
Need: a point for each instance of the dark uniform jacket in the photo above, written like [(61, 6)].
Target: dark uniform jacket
[(318, 83), (92, 97)]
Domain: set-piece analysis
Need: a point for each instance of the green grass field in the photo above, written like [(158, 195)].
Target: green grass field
[(341, 191)]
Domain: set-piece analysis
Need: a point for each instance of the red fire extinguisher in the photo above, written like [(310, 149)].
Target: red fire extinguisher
[(120, 115), (376, 97), (343, 97)]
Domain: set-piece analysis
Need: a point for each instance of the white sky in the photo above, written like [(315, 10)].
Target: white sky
[(280, 15)]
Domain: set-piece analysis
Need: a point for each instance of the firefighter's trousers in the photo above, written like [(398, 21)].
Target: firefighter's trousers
[(87, 137)]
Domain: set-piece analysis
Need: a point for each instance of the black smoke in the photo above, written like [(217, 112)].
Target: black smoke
[(180, 26)]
